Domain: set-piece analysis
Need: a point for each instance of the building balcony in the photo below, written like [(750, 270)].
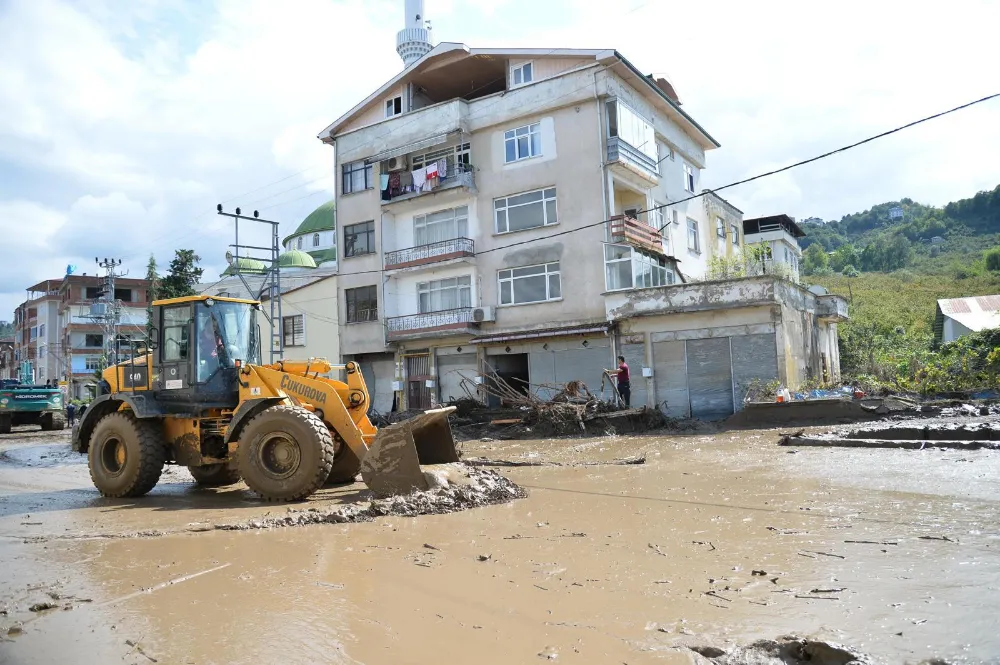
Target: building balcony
[(457, 175), (627, 159), (434, 252), (638, 234), (832, 308), (431, 324)]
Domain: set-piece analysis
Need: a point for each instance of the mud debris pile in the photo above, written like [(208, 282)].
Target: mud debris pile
[(782, 651), (476, 487), (961, 436)]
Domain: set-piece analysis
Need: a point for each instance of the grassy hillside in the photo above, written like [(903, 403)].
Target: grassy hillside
[(888, 343)]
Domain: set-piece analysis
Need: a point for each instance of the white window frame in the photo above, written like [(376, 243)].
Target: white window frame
[(548, 270), (689, 183), (41, 330), (455, 154), (513, 136), (391, 104), (520, 70), (462, 286), (298, 243), (92, 363), (285, 320), (502, 204), (315, 240), (734, 230), (642, 268), (693, 232), (459, 220), (720, 228)]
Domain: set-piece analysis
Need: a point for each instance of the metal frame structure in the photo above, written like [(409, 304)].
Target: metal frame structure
[(272, 282)]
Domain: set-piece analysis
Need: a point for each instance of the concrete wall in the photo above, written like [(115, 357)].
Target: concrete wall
[(318, 303), (545, 68)]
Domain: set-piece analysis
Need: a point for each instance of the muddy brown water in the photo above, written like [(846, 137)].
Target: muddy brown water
[(894, 552)]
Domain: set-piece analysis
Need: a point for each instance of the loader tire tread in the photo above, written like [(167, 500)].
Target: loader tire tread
[(142, 439), (317, 429)]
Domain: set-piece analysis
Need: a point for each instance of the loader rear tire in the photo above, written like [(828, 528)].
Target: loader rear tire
[(215, 475), (285, 453), (126, 455), (5, 424)]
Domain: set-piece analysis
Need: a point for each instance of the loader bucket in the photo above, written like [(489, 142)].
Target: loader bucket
[(394, 460)]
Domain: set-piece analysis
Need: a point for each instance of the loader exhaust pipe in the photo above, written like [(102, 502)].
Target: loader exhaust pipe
[(394, 460)]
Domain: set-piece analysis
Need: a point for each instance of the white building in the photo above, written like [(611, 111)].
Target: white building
[(956, 317), (492, 201)]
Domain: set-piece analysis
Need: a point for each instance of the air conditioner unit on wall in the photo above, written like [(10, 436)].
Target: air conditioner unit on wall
[(397, 163), (484, 314)]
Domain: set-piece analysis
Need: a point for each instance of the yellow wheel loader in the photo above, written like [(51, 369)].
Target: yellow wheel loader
[(200, 397)]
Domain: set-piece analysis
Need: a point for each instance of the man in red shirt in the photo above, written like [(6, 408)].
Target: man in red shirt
[(624, 385)]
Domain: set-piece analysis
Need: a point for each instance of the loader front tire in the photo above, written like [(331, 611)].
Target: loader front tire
[(285, 453), (215, 475), (126, 455), (5, 424)]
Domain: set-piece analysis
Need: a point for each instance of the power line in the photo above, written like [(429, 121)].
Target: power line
[(732, 184)]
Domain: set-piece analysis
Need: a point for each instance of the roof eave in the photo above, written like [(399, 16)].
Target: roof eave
[(327, 135), (652, 86)]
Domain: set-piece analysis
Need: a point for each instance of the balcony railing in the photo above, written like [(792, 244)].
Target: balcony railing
[(434, 252), (620, 151), (431, 322), (639, 234), (454, 175)]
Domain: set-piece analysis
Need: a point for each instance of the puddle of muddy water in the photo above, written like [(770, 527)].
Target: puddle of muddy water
[(714, 538)]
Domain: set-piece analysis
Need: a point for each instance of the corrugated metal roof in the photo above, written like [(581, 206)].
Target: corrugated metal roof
[(975, 313)]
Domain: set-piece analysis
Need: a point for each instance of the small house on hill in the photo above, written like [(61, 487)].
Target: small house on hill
[(960, 316)]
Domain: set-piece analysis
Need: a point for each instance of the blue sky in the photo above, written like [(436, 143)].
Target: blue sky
[(122, 124)]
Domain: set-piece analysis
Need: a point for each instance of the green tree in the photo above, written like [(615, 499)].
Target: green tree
[(152, 292), (815, 259), (845, 255), (183, 275), (993, 260), (6, 329)]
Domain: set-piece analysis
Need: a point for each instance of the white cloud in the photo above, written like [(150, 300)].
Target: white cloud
[(130, 121)]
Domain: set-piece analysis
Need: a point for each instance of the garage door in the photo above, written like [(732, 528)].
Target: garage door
[(451, 369), (583, 364), (754, 357), (635, 358), (670, 378), (710, 378)]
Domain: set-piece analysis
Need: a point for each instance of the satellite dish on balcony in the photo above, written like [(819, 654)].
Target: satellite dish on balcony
[(229, 257)]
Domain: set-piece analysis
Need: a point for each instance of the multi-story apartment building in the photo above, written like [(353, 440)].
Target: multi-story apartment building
[(8, 366), (491, 201), (56, 330)]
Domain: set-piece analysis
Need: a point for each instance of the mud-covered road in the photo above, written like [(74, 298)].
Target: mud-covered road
[(716, 539)]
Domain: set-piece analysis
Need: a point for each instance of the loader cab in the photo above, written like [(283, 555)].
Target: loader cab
[(200, 340)]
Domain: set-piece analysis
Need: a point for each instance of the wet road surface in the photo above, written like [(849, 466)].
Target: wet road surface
[(716, 539)]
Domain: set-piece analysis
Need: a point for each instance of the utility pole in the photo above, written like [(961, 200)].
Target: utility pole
[(107, 310), (271, 283)]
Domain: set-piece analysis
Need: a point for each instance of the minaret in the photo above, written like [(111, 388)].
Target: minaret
[(414, 40)]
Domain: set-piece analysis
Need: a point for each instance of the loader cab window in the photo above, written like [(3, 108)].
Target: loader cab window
[(226, 332), (175, 332)]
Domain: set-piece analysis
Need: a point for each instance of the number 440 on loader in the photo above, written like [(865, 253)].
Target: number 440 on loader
[(200, 397)]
